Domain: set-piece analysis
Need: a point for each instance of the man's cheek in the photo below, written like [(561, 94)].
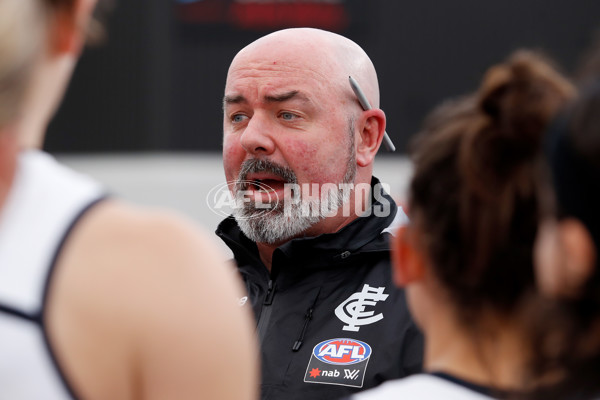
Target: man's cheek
[(303, 156), (233, 156)]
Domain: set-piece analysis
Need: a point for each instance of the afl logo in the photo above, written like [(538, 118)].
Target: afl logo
[(342, 351)]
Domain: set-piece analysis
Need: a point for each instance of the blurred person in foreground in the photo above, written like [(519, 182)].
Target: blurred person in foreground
[(466, 258), (567, 329), (311, 235), (98, 299)]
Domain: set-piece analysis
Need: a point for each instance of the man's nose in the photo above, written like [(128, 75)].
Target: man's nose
[(256, 138)]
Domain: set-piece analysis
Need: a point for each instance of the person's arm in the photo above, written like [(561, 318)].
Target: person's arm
[(144, 307), (195, 341)]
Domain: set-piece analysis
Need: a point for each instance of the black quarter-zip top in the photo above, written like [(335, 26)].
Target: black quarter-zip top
[(329, 318)]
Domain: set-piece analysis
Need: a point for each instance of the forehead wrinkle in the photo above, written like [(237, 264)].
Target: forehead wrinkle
[(274, 98), (271, 83), (258, 69), (273, 74), (290, 95)]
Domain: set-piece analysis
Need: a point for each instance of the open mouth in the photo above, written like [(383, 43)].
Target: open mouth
[(267, 185), (262, 183), (262, 190)]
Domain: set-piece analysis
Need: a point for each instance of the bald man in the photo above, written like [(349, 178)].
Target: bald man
[(311, 225)]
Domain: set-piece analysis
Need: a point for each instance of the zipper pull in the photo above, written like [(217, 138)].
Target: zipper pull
[(307, 318), (270, 294)]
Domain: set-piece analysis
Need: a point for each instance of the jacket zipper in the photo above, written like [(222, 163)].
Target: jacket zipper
[(265, 312), (307, 318)]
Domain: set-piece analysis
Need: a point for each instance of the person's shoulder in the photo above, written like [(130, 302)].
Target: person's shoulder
[(123, 226), (420, 386), (133, 249), (148, 236)]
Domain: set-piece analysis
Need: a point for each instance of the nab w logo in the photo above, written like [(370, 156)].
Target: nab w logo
[(352, 310), (351, 374)]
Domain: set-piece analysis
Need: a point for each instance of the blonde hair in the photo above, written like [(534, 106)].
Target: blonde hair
[(21, 40)]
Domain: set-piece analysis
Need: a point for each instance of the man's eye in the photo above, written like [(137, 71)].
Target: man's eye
[(238, 118), (287, 116)]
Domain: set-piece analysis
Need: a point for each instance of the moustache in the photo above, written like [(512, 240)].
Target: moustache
[(255, 165)]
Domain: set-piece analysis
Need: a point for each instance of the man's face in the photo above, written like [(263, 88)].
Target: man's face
[(284, 122)]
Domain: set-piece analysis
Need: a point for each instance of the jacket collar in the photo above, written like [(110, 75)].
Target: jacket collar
[(364, 234)]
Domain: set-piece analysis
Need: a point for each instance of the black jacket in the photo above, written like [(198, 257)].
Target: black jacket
[(313, 345)]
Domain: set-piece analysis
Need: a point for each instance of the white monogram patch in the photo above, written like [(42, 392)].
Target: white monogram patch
[(352, 310)]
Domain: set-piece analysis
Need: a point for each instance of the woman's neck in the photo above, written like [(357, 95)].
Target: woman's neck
[(491, 352)]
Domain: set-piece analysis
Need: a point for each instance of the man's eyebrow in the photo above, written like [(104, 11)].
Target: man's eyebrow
[(234, 99), (278, 98)]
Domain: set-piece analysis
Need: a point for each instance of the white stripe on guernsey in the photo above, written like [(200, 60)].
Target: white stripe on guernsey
[(420, 387)]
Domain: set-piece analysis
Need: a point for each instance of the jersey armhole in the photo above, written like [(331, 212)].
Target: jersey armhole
[(42, 318)]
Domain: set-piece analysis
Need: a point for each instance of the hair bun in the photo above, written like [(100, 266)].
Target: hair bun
[(521, 96), (493, 90), (518, 98)]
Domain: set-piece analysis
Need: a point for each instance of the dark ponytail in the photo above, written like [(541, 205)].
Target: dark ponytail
[(474, 195)]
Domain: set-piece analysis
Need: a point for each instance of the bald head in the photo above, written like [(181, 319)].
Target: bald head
[(327, 55)]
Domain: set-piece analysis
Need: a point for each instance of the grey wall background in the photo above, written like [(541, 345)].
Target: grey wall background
[(157, 84), (183, 181)]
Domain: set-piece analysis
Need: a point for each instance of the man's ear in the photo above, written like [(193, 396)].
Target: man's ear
[(407, 261), (371, 126), (580, 253)]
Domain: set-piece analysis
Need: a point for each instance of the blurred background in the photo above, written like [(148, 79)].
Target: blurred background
[(143, 112)]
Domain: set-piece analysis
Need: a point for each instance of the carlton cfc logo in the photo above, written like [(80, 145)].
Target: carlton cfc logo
[(342, 351)]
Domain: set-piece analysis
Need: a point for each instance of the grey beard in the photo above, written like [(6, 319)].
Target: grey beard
[(284, 222), (276, 226)]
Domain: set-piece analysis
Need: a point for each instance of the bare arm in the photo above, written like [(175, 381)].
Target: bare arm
[(146, 308), (196, 340)]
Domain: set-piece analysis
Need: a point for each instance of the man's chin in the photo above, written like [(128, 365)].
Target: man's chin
[(274, 228)]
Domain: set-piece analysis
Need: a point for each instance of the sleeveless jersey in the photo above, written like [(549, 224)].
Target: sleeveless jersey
[(423, 387), (45, 202)]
